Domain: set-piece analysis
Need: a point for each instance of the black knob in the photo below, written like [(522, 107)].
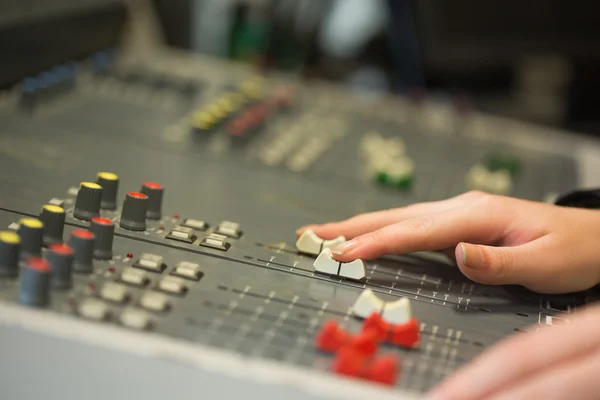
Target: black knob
[(10, 243), (53, 218), (154, 191), (82, 243), (104, 230), (31, 231), (35, 282), (110, 188), (87, 204), (60, 256), (133, 216)]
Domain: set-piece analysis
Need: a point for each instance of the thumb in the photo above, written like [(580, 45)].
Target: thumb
[(493, 265)]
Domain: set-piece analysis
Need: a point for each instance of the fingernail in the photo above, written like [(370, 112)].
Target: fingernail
[(471, 256), (461, 254), (345, 248)]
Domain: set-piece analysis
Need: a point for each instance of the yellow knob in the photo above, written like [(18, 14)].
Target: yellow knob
[(109, 176), (225, 104), (31, 223), (53, 209), (9, 237), (203, 120), (251, 89), (91, 185), (216, 111)]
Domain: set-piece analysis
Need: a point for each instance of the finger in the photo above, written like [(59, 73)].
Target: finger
[(527, 265), (574, 379), (522, 355), (372, 221), (429, 232)]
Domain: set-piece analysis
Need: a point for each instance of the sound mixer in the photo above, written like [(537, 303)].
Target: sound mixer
[(9, 254)]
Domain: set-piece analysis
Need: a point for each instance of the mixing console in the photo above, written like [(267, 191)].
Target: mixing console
[(187, 232)]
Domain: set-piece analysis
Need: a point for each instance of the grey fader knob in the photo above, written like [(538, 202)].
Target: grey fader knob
[(60, 256), (110, 188), (82, 242), (133, 216), (104, 231), (31, 231), (53, 218), (9, 254), (35, 282), (154, 191), (87, 204)]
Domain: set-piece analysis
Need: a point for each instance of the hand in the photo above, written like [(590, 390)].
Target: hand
[(496, 240), (556, 363)]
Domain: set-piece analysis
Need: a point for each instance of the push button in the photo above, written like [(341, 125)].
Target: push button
[(172, 285), (93, 309), (135, 319), (150, 262), (195, 224), (182, 234), (114, 292), (216, 241), (134, 276), (188, 270), (154, 301), (230, 229)]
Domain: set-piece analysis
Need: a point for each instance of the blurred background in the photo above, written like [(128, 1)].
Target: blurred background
[(535, 60)]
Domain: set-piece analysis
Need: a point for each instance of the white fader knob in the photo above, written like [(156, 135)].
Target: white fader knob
[(326, 264), (367, 304), (310, 243), (394, 312), (397, 312)]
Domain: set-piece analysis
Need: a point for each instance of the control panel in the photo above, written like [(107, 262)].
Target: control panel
[(157, 196)]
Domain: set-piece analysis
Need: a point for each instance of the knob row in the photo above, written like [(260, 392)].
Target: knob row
[(38, 275), (137, 207), (27, 243)]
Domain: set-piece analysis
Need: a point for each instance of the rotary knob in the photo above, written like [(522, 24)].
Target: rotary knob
[(35, 282), (133, 216), (87, 204), (154, 191), (53, 218), (110, 188), (60, 256), (82, 243), (9, 254), (104, 230), (31, 231)]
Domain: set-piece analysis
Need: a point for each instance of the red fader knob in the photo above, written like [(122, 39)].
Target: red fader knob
[(331, 337), (377, 325), (384, 370), (350, 362), (405, 335), (365, 343)]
